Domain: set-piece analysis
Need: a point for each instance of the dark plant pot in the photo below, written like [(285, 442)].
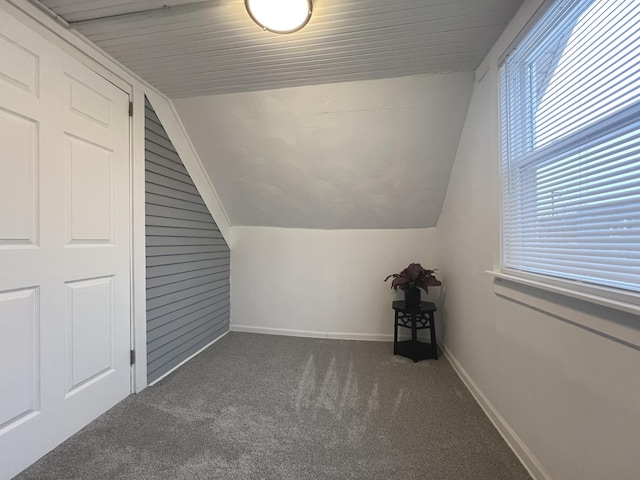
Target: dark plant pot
[(412, 297)]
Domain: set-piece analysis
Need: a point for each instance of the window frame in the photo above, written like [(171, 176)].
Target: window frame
[(619, 299)]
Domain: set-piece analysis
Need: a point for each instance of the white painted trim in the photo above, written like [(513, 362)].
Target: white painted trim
[(180, 139), (537, 9), (369, 337), (482, 71), (216, 202), (628, 302), (139, 242), (524, 454), (372, 337), (616, 325), (187, 359), (278, 331)]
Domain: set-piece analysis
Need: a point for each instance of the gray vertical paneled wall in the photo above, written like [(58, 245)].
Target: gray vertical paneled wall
[(187, 259)]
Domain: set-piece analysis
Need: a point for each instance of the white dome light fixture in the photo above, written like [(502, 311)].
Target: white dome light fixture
[(280, 16)]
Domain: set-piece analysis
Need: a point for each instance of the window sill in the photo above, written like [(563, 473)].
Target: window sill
[(625, 302), (607, 312)]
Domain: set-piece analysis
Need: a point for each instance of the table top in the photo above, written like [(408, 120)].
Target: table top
[(424, 307)]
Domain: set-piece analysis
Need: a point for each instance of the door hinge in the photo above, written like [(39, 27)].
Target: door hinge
[(131, 109), (132, 357)]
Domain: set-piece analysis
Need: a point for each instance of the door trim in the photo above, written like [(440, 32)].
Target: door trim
[(138, 264)]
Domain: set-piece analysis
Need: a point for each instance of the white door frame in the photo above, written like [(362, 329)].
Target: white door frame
[(138, 245)]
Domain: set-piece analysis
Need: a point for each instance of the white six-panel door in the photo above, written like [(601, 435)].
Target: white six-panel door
[(64, 246)]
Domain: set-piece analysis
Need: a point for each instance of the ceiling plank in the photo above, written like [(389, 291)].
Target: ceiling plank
[(218, 49)]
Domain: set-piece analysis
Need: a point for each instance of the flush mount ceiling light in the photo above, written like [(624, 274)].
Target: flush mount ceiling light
[(280, 16)]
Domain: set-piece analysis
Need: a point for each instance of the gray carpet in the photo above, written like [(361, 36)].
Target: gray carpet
[(270, 407)]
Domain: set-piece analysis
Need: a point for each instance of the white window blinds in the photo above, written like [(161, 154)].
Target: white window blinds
[(570, 119)]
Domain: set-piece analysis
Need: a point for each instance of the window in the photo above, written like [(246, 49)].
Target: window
[(570, 122)]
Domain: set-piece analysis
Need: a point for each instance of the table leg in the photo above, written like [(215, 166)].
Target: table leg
[(432, 323), (395, 335), (414, 337)]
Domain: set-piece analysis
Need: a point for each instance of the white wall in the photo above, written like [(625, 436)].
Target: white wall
[(321, 282), (365, 154), (571, 396)]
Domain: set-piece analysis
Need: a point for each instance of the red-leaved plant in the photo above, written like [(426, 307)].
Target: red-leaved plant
[(414, 276)]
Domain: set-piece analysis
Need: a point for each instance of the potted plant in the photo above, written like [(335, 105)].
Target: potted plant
[(411, 280)]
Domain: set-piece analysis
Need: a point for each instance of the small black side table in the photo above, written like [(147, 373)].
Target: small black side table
[(415, 318)]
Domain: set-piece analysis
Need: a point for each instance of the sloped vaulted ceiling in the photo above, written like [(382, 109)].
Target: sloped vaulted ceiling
[(352, 122), (369, 154)]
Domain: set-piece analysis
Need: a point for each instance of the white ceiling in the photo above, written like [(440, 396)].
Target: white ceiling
[(368, 154), (214, 47)]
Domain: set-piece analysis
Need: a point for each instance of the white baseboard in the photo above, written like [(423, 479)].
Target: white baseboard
[(370, 337), (526, 457), (373, 337), (187, 359)]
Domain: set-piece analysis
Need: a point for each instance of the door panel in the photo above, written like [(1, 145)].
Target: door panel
[(19, 351), (89, 192), (18, 180), (19, 66), (64, 246), (90, 327), (87, 102)]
